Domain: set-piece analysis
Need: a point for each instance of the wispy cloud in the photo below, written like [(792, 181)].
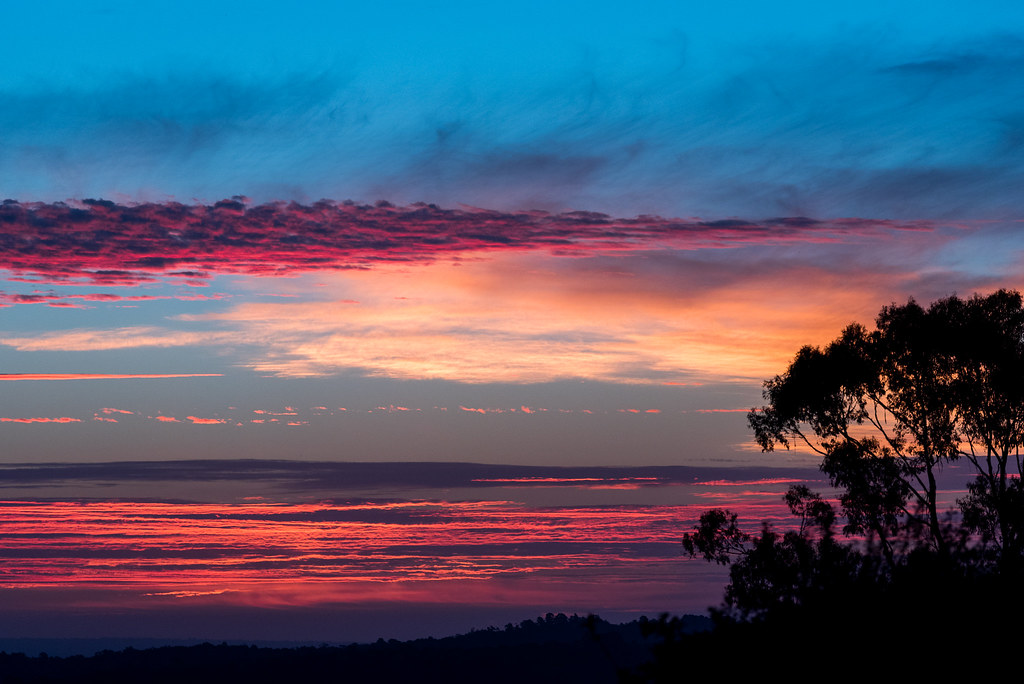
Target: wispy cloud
[(103, 376), (118, 338), (57, 299), (643, 317), (229, 546), (624, 308), (178, 548), (855, 121), (288, 479)]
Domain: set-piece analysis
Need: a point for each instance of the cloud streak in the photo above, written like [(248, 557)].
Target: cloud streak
[(287, 480), (174, 545), (154, 544), (101, 242), (55, 299), (102, 376)]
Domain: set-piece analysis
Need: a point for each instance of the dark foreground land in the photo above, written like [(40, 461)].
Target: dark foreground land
[(975, 634), (555, 648)]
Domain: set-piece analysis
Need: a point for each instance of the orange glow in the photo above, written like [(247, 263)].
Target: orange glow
[(628, 319)]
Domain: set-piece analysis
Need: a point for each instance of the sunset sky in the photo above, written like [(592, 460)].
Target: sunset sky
[(548, 234)]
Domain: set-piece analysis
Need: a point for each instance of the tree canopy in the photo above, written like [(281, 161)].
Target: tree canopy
[(887, 409)]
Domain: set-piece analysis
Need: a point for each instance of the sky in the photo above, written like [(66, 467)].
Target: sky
[(556, 234)]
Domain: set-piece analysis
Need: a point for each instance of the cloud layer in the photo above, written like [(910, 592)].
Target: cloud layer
[(473, 295), (102, 242)]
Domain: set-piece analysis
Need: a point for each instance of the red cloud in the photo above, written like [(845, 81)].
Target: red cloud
[(126, 244)]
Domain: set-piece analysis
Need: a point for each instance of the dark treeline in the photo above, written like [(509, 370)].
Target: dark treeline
[(555, 648)]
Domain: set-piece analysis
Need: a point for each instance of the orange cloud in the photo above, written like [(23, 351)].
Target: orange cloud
[(640, 315), (117, 338), (536, 318), (206, 421)]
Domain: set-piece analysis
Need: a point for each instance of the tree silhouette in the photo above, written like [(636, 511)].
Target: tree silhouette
[(887, 409)]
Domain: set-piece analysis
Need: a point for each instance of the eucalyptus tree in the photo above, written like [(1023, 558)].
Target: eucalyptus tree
[(887, 408)]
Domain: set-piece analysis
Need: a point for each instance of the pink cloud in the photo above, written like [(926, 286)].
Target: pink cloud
[(40, 420), (126, 244), (206, 421)]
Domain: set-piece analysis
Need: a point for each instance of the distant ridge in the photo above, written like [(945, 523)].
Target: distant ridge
[(553, 648), (367, 473)]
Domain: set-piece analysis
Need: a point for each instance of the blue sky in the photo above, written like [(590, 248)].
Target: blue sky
[(911, 113), (680, 109)]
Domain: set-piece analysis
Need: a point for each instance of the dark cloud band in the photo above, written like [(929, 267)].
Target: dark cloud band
[(102, 242)]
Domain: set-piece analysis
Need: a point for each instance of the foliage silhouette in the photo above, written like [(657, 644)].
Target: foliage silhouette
[(887, 410)]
